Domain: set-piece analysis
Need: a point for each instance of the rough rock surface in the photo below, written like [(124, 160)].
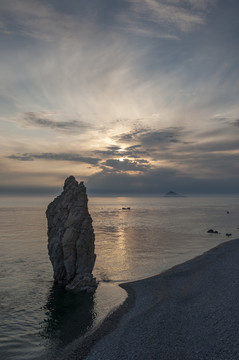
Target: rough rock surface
[(71, 238)]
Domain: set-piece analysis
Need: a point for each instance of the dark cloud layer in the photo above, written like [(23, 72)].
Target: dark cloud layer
[(151, 138), (159, 181), (126, 165), (57, 157), (131, 151), (29, 190)]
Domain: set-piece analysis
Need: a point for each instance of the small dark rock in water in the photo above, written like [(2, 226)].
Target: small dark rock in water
[(211, 231), (71, 238), (228, 212), (227, 234)]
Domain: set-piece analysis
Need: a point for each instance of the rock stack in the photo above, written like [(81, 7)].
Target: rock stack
[(71, 238)]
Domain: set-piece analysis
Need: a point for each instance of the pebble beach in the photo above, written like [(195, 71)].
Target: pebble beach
[(186, 313)]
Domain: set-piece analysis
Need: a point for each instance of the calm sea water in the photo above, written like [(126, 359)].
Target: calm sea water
[(38, 319)]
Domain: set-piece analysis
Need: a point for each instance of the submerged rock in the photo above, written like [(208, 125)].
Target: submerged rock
[(71, 238)]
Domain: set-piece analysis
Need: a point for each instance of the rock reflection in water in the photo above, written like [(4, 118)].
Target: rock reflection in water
[(67, 316)]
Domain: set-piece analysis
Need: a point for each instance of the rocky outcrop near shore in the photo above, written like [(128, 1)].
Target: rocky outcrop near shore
[(71, 238)]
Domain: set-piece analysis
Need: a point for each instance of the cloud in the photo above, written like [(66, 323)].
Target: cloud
[(214, 146), (159, 181), (131, 151), (57, 157), (212, 151), (148, 138), (32, 18), (43, 119), (138, 77), (129, 136), (126, 165), (29, 190), (152, 138), (202, 4), (134, 27), (42, 21), (133, 147), (166, 17)]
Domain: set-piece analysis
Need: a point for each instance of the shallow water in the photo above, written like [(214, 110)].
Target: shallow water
[(39, 319)]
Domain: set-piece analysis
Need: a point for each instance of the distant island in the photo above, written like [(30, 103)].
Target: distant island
[(173, 194)]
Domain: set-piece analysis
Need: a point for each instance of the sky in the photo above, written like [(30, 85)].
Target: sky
[(129, 96)]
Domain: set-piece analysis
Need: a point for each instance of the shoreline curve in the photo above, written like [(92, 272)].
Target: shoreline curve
[(169, 305)]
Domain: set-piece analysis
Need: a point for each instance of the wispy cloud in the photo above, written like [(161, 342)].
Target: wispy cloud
[(46, 120), (203, 5), (133, 25), (32, 18), (170, 16), (57, 157)]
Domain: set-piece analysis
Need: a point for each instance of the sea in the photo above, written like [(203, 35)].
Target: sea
[(40, 320)]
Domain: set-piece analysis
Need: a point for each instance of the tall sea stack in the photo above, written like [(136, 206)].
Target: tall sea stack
[(71, 238)]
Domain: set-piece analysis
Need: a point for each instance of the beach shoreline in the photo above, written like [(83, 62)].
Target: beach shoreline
[(83, 347), (186, 312)]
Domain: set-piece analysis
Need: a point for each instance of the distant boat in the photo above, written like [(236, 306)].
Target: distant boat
[(125, 208), (173, 194)]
